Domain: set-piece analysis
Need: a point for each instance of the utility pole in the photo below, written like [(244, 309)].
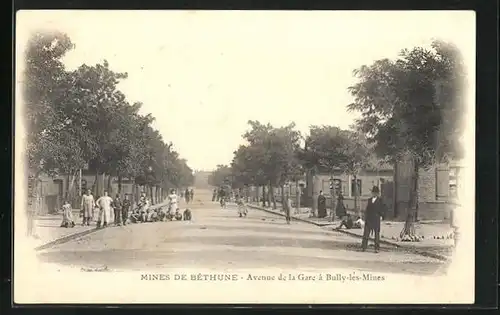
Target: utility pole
[(332, 194)]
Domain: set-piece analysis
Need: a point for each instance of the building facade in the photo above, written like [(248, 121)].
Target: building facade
[(362, 186), (439, 188)]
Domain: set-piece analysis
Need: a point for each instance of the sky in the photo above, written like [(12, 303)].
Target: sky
[(204, 74)]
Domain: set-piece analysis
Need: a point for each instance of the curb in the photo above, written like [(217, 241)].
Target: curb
[(65, 239), (405, 247), (292, 217), (70, 237)]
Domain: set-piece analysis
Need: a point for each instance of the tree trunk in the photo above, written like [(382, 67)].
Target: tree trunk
[(109, 185), (95, 186), (151, 193), (283, 200), (103, 180), (66, 195), (297, 198), (119, 184), (263, 195), (273, 197), (355, 193), (334, 199), (408, 232), (395, 191)]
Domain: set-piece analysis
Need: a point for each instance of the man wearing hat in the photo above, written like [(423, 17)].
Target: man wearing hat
[(375, 210)]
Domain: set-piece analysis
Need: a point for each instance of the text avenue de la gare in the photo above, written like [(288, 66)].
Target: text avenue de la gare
[(341, 277)]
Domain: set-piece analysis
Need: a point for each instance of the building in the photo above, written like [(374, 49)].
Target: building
[(439, 188), (381, 176), (48, 193)]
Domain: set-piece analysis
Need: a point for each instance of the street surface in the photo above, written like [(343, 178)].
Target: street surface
[(218, 239)]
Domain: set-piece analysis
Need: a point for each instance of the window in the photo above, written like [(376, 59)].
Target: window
[(453, 183), (356, 191)]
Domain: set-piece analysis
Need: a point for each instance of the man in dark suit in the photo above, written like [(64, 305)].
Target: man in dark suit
[(374, 212)]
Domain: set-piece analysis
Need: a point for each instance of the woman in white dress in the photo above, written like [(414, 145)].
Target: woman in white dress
[(67, 215)]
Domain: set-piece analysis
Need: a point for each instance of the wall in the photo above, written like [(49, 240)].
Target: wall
[(435, 194), (368, 180)]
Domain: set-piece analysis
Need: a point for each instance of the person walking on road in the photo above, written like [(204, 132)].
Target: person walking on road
[(375, 210), (191, 194), (117, 207), (340, 209), (104, 203), (288, 209), (222, 198), (214, 194), (187, 195), (173, 203), (125, 209), (87, 206), (321, 205)]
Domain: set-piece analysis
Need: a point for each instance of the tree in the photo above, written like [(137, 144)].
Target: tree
[(412, 108), (325, 151), (357, 155), (270, 156), (79, 117), (220, 176), (43, 82)]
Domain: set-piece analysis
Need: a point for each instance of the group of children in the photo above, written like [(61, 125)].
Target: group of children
[(119, 211)]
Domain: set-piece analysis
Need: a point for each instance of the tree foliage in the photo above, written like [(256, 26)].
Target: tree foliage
[(78, 118), (413, 107)]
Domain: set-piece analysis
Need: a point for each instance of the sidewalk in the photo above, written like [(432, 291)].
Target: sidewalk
[(49, 232), (437, 242), (48, 228)]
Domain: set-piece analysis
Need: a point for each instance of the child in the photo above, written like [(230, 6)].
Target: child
[(359, 224), (67, 215)]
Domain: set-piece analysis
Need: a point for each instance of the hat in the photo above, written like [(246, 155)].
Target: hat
[(375, 189)]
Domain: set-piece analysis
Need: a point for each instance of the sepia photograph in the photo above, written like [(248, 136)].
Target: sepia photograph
[(183, 156)]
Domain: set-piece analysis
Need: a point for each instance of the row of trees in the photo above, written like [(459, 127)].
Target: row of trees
[(79, 119), (274, 156), (411, 110)]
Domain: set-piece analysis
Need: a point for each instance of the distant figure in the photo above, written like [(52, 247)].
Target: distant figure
[(117, 207), (374, 212), (67, 220), (340, 209), (321, 205), (125, 209), (87, 207), (187, 195), (191, 194), (214, 194), (173, 205)]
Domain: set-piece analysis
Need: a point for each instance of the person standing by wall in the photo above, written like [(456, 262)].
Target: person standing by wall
[(125, 209), (340, 210), (117, 207), (104, 203), (374, 212), (321, 205), (87, 207), (187, 195)]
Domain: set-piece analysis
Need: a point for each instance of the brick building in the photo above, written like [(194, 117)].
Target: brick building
[(439, 187), (381, 177)]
